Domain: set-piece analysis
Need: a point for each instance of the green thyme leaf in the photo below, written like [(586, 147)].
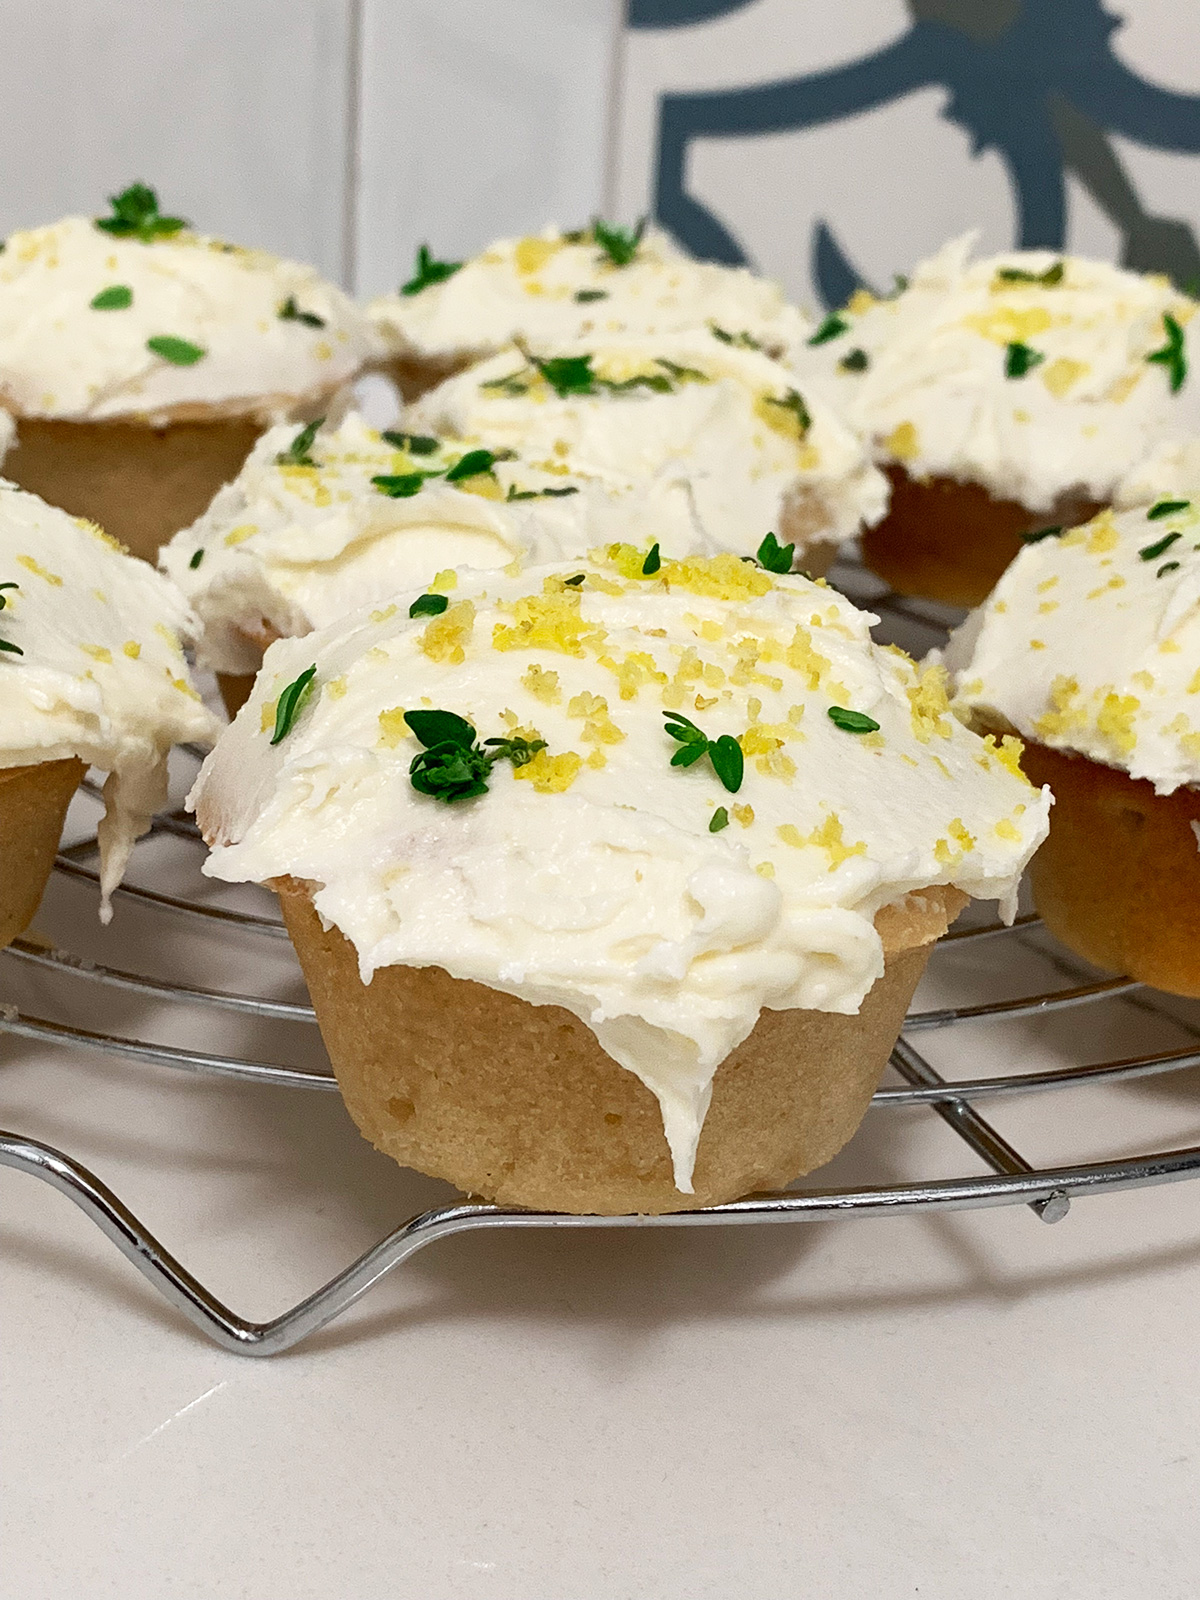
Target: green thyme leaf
[(1038, 534), (1049, 279), (652, 562), (832, 328), (117, 298), (574, 582), (620, 245), (291, 702), (1167, 508), (852, 721), (1151, 552), (289, 311), (515, 383), (1020, 359), (12, 649), (416, 444), (776, 557), (136, 215), (428, 605), (1167, 566), (440, 727), (471, 465), (558, 494), (793, 401), (4, 586), (1172, 355), (683, 728), (179, 352), (718, 820), (298, 453), (428, 272), (688, 754), (742, 341), (682, 374), (518, 750), (899, 284), (197, 558), (586, 296), (855, 361), (728, 763), (401, 485), (568, 375)]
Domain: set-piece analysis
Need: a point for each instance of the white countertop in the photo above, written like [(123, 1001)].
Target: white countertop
[(939, 1406)]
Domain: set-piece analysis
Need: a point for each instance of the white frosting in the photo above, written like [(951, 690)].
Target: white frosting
[(61, 358), (286, 549), (529, 288), (102, 675), (593, 882), (744, 458), (934, 395), (1091, 643)]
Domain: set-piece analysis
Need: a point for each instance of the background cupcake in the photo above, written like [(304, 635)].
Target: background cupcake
[(723, 425), (661, 853), (91, 674), (1002, 396), (594, 284), (322, 521), (1090, 649), (141, 360)]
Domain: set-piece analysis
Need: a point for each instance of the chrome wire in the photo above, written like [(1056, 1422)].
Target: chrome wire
[(1011, 1180)]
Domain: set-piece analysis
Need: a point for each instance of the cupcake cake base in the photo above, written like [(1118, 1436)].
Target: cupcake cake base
[(950, 541), (33, 807), (1118, 879), (519, 1104), (140, 483)]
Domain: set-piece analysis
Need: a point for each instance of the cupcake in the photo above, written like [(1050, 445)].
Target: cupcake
[(141, 360), (592, 285), (1090, 649), (91, 674), (1002, 396), (611, 888), (724, 423), (322, 521)]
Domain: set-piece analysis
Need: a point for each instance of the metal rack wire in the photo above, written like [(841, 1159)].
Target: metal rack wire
[(1047, 1191)]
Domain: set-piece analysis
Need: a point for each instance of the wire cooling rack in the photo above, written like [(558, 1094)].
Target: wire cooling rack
[(1047, 1190)]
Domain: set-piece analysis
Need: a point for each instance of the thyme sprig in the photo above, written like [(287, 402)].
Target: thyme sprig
[(429, 271), (299, 452), (289, 311), (454, 765), (619, 245), (776, 557), (1021, 358), (5, 644), (291, 702), (1172, 355), (1050, 279), (135, 215), (725, 753)]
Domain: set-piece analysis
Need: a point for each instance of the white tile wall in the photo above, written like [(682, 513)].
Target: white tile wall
[(343, 132)]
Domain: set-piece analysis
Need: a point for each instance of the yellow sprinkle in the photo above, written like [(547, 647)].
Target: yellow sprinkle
[(636, 669), (1144, 680), (743, 815), (132, 649), (1169, 647), (445, 580), (447, 636), (829, 836), (531, 254), (903, 442), (267, 720), (39, 571), (169, 637), (335, 689), (1194, 686), (1115, 720), (705, 702), (1047, 606), (596, 758), (549, 622), (765, 869), (550, 774), (790, 834), (392, 727), (1008, 752), (1010, 325), (184, 688), (98, 652), (1037, 644), (1047, 583), (1005, 829), (240, 534), (929, 705), (1060, 375), (861, 300), (383, 616), (542, 685), (711, 631)]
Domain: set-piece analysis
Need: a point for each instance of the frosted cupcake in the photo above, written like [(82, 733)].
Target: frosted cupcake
[(611, 889), (322, 521), (1090, 649), (593, 285), (141, 361), (91, 674), (725, 424), (1003, 396)]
